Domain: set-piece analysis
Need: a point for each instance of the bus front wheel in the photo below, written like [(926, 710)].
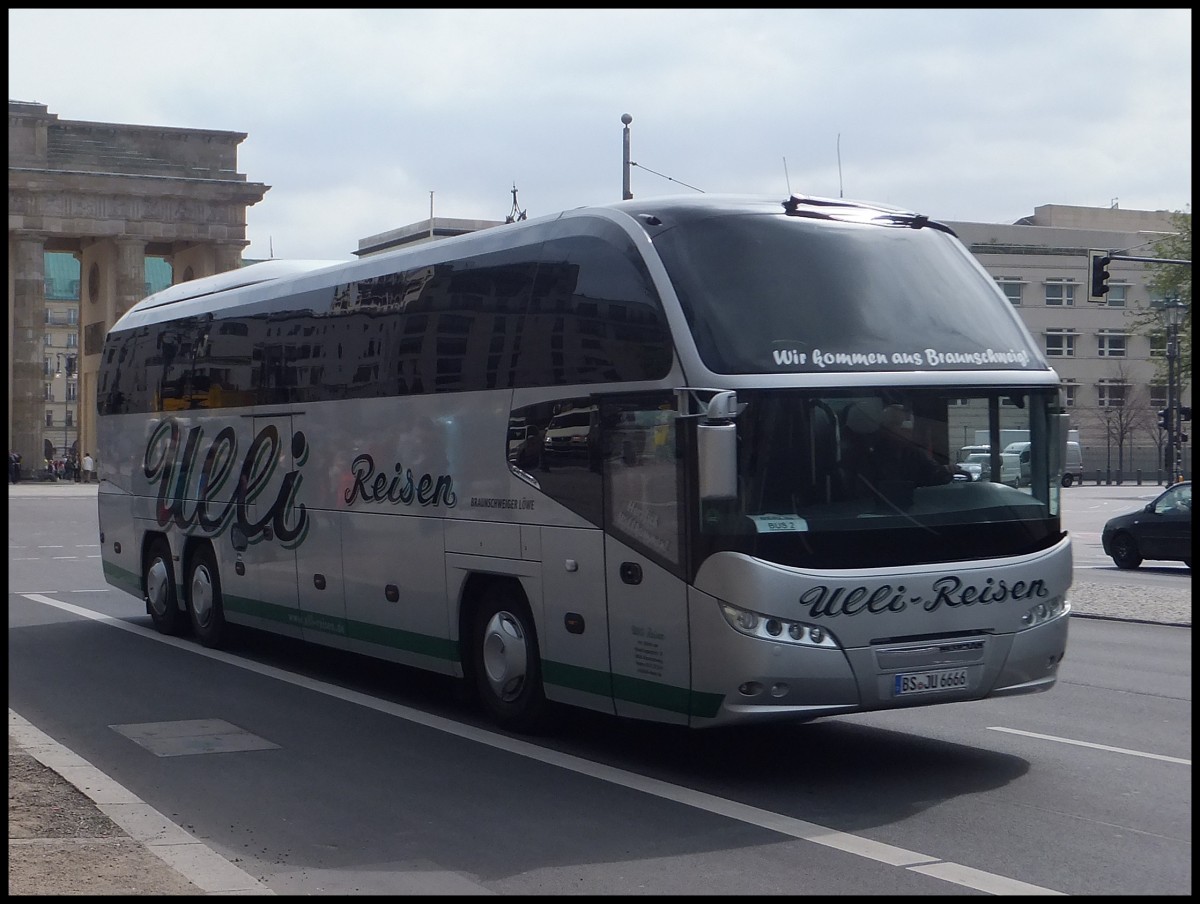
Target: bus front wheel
[(161, 600), (505, 660), (204, 598)]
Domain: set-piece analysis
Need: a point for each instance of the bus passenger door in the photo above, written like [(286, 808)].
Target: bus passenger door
[(647, 598), (272, 524)]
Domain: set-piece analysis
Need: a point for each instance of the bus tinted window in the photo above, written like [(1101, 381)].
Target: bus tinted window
[(579, 308)]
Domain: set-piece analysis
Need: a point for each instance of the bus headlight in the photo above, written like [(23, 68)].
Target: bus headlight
[(769, 627), (1044, 611)]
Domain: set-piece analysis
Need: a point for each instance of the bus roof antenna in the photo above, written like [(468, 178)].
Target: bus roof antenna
[(839, 156), (516, 214)]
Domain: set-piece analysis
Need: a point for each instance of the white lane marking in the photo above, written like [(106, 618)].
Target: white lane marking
[(172, 844), (776, 822), (1046, 737)]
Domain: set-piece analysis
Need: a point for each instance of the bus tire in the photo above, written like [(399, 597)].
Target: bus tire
[(162, 601), (205, 609), (505, 661), (1067, 480)]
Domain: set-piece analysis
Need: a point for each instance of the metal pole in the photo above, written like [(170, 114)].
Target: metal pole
[(1176, 420), (1172, 413), (626, 194)]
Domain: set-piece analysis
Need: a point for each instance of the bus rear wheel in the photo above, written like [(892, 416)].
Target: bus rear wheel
[(161, 600), (205, 608), (505, 660)]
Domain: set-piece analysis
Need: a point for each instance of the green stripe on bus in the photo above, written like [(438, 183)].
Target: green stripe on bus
[(123, 578), (632, 690), (394, 638)]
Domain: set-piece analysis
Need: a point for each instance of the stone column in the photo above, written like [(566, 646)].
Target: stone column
[(26, 348), (129, 287), (227, 257), (131, 277)]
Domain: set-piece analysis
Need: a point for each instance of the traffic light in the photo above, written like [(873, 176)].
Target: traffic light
[(1098, 274), (1164, 419), (1098, 262)]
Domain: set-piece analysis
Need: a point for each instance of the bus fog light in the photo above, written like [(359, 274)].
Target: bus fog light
[(774, 628), (779, 690), (750, 689), (817, 634), (796, 632)]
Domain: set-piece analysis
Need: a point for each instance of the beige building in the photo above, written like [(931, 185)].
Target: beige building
[(112, 195), (1113, 369)]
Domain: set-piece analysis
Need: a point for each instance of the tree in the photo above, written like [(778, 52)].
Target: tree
[(1124, 420), (1173, 281)]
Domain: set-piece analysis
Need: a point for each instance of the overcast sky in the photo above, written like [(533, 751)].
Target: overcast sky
[(354, 116)]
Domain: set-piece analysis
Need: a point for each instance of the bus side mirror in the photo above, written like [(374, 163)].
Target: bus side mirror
[(716, 442)]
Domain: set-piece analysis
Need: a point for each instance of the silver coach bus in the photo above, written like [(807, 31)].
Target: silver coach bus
[(689, 460)]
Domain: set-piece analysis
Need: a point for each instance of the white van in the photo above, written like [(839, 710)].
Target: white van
[(979, 466), (1072, 465)]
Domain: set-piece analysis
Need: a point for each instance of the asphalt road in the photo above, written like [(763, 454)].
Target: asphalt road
[(318, 773)]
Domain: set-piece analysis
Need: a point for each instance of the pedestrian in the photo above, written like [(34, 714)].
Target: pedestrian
[(89, 464), (14, 466)]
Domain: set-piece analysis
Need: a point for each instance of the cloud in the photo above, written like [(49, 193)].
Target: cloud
[(354, 116)]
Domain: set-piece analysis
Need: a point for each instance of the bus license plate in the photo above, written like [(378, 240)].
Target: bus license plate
[(925, 682)]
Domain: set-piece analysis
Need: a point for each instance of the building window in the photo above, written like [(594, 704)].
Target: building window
[(1110, 394), (72, 340), (70, 418), (1158, 395), (1060, 344), (1011, 288), (1110, 345), (48, 392), (47, 340), (1116, 295), (1060, 292), (73, 316), (72, 391), (49, 418), (1068, 393), (1158, 345)]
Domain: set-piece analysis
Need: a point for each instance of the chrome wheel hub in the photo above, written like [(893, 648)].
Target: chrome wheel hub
[(505, 656)]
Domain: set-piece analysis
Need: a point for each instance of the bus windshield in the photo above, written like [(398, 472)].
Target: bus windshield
[(777, 294), (860, 479)]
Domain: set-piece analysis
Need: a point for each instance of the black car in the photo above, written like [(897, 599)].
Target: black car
[(1161, 530)]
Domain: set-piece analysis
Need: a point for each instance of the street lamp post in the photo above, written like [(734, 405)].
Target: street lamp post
[(70, 375), (1173, 310), (626, 194)]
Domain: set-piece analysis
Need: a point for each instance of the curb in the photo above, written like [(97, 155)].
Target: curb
[(177, 848)]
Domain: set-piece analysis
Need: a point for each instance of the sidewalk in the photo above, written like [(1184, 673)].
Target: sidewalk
[(52, 488), (72, 830)]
